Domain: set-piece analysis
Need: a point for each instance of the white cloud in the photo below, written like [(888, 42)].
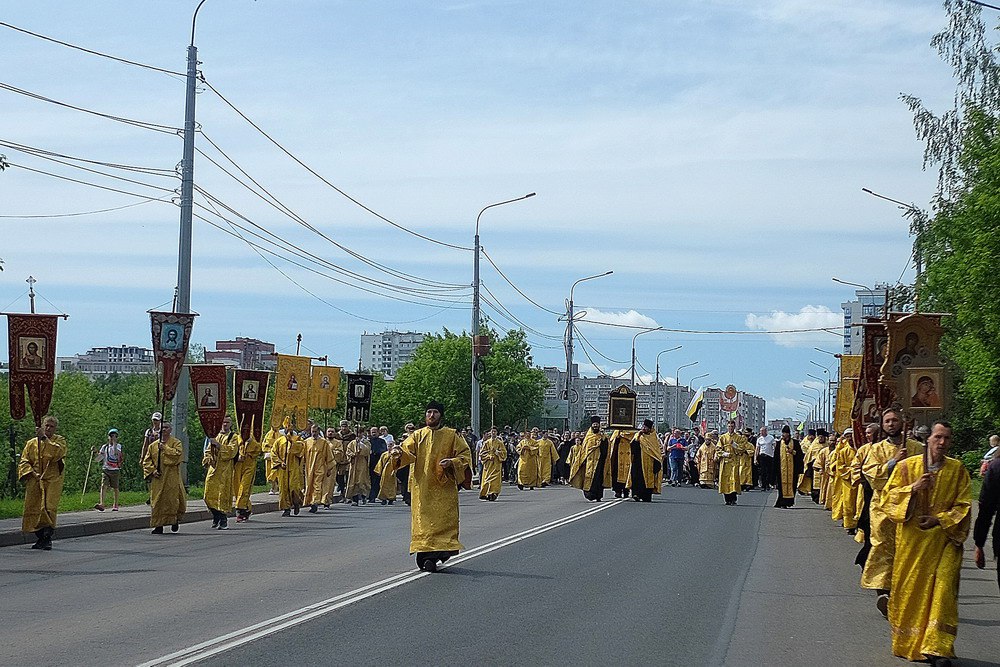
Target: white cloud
[(808, 384), (630, 318), (778, 408), (808, 317)]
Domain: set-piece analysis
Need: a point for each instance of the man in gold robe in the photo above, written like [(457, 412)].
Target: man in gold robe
[(707, 468), (620, 460), (439, 459), (732, 446), (820, 476), (745, 461), (590, 472), (319, 467), (287, 457), (929, 500), (359, 481), (847, 498), (270, 474), (865, 492), (787, 462), (882, 459), (161, 467), (492, 454), (41, 469), (645, 464), (838, 456), (385, 468), (808, 454), (338, 456), (244, 474), (218, 461), (344, 435), (527, 463), (547, 456)]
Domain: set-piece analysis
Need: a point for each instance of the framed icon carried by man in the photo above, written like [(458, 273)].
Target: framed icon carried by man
[(926, 388), (622, 408), (207, 396)]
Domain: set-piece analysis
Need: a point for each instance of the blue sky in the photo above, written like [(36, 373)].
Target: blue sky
[(711, 153)]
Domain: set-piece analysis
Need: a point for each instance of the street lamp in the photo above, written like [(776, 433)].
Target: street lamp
[(569, 342), (832, 354), (657, 384), (632, 381), (847, 282), (823, 394), (475, 313), (829, 387), (677, 391), (182, 302)]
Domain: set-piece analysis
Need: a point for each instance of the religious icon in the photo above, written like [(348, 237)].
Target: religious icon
[(909, 352), (925, 387), (359, 391), (324, 382), (32, 353), (249, 392), (208, 396), (171, 337), (293, 384)]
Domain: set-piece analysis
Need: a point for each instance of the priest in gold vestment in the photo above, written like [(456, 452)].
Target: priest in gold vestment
[(732, 447), (646, 466), (218, 461), (439, 460), (620, 460), (929, 499), (41, 469), (527, 461), (161, 467), (590, 471), (492, 454)]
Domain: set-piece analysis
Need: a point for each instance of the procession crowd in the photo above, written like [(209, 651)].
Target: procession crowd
[(904, 501)]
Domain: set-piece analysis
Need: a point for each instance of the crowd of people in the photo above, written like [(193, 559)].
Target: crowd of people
[(905, 502)]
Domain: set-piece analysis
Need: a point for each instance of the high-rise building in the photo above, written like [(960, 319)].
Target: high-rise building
[(867, 303), (386, 352), (243, 353), (102, 362)]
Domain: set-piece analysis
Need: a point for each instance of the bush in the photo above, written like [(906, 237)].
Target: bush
[(972, 461)]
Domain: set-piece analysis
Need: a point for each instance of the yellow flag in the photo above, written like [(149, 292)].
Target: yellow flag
[(850, 369), (324, 387), (291, 391)]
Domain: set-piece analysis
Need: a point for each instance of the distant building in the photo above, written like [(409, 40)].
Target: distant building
[(386, 352), (243, 353), (867, 303), (102, 362), (775, 425)]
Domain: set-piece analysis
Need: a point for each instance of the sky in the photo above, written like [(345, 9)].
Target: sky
[(711, 153)]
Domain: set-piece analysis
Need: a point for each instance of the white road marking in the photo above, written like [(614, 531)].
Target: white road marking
[(256, 631)]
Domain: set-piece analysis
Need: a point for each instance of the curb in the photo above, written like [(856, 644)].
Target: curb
[(117, 525)]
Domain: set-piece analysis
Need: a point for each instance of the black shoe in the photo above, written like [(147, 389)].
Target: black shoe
[(174, 528), (483, 498), (426, 563), (38, 544), (520, 487), (286, 513), (354, 503), (158, 530), (295, 510), (215, 523), (635, 498), (313, 509), (391, 501), (492, 497)]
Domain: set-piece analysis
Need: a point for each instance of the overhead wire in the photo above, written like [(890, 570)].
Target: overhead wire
[(598, 352), (82, 213), (87, 183), (34, 150), (516, 288), (515, 318), (278, 205), (323, 179)]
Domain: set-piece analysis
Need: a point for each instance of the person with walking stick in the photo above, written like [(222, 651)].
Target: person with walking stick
[(110, 458)]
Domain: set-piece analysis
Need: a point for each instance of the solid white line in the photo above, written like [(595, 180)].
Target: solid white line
[(256, 631)]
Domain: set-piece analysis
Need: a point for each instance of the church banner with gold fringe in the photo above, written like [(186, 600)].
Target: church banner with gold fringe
[(324, 387), (249, 395), (171, 335), (291, 391), (850, 371), (208, 384), (31, 341)]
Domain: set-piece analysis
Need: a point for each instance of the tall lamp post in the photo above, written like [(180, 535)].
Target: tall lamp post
[(475, 314), (824, 396), (829, 393), (182, 303), (677, 392), (569, 344), (657, 385), (632, 381)]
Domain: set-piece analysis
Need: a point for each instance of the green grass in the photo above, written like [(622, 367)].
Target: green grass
[(70, 501), (977, 484)]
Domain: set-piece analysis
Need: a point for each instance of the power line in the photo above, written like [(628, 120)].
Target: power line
[(81, 213), (278, 205), (324, 180), (516, 288), (598, 352), (101, 173), (87, 183), (90, 51), (836, 330), (33, 150), (513, 317), (156, 127)]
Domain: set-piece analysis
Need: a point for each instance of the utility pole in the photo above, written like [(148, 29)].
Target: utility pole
[(180, 406), (569, 344), (476, 316)]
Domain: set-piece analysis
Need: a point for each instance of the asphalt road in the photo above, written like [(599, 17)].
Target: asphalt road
[(683, 580)]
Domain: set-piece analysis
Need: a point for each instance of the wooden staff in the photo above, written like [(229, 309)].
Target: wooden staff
[(86, 477)]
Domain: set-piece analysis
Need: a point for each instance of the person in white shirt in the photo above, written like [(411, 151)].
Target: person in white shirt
[(110, 458), (764, 459)]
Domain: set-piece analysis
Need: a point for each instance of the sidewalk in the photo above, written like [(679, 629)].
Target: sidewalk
[(92, 522)]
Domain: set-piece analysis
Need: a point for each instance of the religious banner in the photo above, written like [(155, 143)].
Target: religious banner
[(171, 335), (622, 408), (913, 367), (249, 395), (324, 387), (359, 397), (208, 384), (850, 371), (291, 391), (729, 400), (31, 344)]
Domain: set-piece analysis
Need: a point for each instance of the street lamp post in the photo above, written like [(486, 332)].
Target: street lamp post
[(697, 377), (677, 392), (182, 303), (632, 381), (657, 385), (829, 394), (824, 397), (569, 344), (475, 314)]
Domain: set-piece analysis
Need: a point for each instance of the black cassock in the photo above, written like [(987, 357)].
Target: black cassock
[(797, 467)]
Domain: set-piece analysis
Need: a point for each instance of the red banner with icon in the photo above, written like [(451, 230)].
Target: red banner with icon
[(171, 335), (31, 344), (249, 394)]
